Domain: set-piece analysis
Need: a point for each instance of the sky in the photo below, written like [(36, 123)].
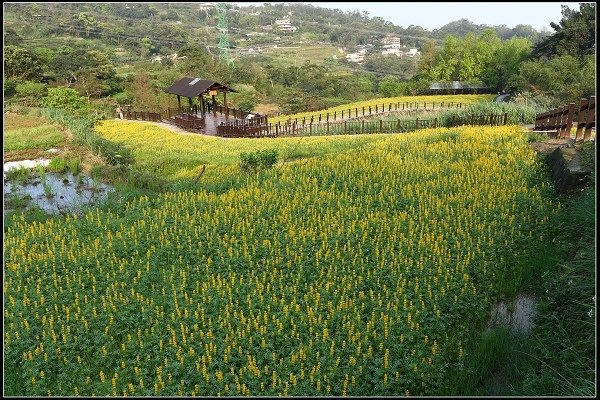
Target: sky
[(433, 15)]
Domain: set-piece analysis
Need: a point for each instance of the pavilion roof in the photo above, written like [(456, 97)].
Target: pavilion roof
[(192, 87), (456, 85)]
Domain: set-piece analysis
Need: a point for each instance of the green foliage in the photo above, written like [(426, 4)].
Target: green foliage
[(574, 35), (20, 63), (245, 99), (565, 78), (465, 59), (65, 163), (64, 98), (517, 113), (10, 87), (83, 129), (390, 86), (505, 62), (39, 137), (12, 38), (258, 160), (44, 54), (32, 92)]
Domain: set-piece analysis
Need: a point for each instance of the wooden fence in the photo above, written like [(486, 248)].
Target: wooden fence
[(558, 122), (143, 116), (191, 121), (358, 112), (353, 127)]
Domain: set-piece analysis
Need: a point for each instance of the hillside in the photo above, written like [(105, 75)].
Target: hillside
[(138, 31), (279, 57)]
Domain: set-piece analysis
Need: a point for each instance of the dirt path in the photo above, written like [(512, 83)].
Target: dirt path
[(547, 146)]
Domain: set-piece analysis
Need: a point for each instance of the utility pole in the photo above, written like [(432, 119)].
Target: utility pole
[(223, 39)]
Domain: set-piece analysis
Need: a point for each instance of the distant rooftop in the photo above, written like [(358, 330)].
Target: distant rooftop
[(456, 85)]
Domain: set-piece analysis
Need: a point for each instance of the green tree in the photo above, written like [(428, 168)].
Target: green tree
[(144, 94), (32, 92), (428, 57), (11, 38), (575, 34), (564, 78), (64, 98), (390, 86), (445, 68), (96, 77), (20, 63), (245, 99), (525, 31), (505, 62), (66, 62), (85, 22)]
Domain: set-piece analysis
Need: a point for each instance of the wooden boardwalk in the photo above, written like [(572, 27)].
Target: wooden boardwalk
[(212, 120)]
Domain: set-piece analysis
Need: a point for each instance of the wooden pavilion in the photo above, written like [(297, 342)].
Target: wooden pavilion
[(192, 87)]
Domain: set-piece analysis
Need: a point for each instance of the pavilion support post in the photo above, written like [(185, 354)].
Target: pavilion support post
[(202, 112), (179, 103), (214, 105)]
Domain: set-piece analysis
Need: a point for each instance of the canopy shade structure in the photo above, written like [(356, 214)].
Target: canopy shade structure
[(192, 87), (456, 85)]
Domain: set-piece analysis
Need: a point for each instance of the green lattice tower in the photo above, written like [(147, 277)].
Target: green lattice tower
[(223, 40)]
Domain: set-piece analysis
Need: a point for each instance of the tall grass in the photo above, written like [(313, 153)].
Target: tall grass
[(85, 134), (40, 137), (558, 358), (65, 163), (517, 113)]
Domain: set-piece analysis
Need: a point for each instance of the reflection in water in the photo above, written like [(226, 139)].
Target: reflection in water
[(55, 193)]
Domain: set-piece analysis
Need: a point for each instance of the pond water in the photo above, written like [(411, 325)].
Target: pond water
[(517, 315), (54, 193)]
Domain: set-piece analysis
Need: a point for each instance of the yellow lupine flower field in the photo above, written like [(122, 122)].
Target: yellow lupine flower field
[(353, 273)]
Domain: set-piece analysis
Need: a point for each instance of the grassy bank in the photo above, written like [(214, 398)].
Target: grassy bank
[(558, 357)]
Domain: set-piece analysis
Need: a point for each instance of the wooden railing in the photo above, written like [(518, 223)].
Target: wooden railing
[(359, 112), (188, 121), (183, 120), (255, 127), (191, 121), (353, 127), (559, 121), (143, 115)]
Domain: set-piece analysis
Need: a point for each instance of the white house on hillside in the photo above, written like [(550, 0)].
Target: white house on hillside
[(285, 25), (413, 53), (355, 57), (391, 45), (391, 42)]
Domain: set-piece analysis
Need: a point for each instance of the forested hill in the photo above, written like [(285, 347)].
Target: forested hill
[(169, 25), (127, 53)]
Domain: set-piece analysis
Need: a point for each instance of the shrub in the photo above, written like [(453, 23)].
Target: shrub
[(65, 99), (258, 160), (10, 87), (33, 92)]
